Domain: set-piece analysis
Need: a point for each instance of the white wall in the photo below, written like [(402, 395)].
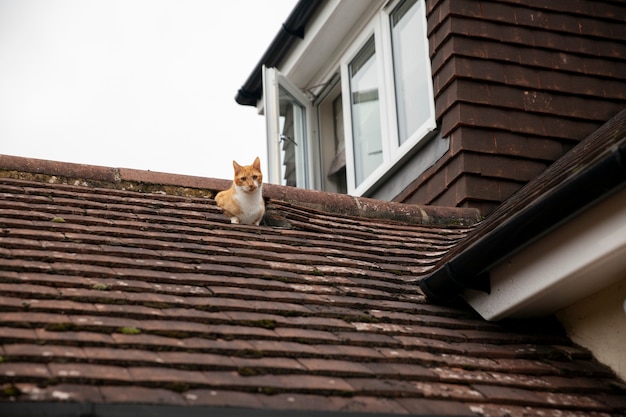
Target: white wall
[(598, 323)]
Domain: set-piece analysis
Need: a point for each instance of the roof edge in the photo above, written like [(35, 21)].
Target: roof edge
[(290, 31), (590, 172), (192, 186)]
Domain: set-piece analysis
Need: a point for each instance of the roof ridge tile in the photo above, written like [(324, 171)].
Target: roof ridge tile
[(25, 170)]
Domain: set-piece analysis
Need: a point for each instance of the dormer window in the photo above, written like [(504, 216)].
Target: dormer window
[(369, 106)]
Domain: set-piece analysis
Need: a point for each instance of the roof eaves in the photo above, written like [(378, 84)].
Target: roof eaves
[(290, 31), (593, 170)]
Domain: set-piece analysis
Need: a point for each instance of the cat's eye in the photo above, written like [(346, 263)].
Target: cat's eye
[(255, 177), (242, 178)]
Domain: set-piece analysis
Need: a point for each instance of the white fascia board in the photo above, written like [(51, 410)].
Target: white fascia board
[(575, 260), (329, 33)]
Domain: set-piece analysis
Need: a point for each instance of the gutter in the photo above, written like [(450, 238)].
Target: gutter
[(290, 32), (582, 184)]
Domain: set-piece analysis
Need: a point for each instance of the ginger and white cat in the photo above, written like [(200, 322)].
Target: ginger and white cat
[(243, 201)]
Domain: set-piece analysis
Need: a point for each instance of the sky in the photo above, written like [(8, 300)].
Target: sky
[(144, 84)]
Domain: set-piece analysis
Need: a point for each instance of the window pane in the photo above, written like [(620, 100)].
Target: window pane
[(338, 165), (410, 61), (365, 108), (293, 140)]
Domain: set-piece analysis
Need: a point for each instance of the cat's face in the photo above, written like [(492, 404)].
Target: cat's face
[(248, 177)]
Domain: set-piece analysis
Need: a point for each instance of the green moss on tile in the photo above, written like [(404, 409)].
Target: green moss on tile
[(10, 391), (248, 371), (60, 327), (100, 287), (129, 330), (361, 319), (265, 324)]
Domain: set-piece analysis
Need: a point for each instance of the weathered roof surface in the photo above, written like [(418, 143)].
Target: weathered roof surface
[(113, 298)]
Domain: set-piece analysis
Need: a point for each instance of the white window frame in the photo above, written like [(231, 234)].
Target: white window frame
[(273, 80), (393, 153)]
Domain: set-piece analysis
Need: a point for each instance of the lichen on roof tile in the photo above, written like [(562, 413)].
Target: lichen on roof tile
[(159, 300)]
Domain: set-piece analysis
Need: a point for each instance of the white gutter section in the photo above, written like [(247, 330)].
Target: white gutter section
[(575, 260)]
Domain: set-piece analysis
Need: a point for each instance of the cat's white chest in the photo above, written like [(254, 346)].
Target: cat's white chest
[(251, 205)]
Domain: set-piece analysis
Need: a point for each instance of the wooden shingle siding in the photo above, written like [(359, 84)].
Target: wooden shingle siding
[(517, 84)]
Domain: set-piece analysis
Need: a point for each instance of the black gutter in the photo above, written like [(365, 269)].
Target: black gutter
[(290, 32), (580, 188)]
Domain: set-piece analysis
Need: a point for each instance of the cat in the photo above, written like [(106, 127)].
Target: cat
[(243, 201)]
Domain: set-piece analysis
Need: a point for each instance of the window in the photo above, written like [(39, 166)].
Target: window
[(410, 69), (376, 107), (365, 109), (388, 79), (292, 135), (287, 115)]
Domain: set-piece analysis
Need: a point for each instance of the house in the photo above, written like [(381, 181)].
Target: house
[(126, 292), (438, 102), (501, 293)]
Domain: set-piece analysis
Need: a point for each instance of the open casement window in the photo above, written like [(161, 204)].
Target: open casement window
[(288, 116)]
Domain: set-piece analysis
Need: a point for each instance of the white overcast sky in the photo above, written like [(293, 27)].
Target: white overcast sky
[(146, 84)]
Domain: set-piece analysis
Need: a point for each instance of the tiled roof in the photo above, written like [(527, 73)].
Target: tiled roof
[(114, 298)]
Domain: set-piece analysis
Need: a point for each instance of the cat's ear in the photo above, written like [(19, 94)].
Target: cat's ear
[(237, 167), (257, 164)]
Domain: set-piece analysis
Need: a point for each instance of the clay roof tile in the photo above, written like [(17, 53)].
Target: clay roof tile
[(126, 289)]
